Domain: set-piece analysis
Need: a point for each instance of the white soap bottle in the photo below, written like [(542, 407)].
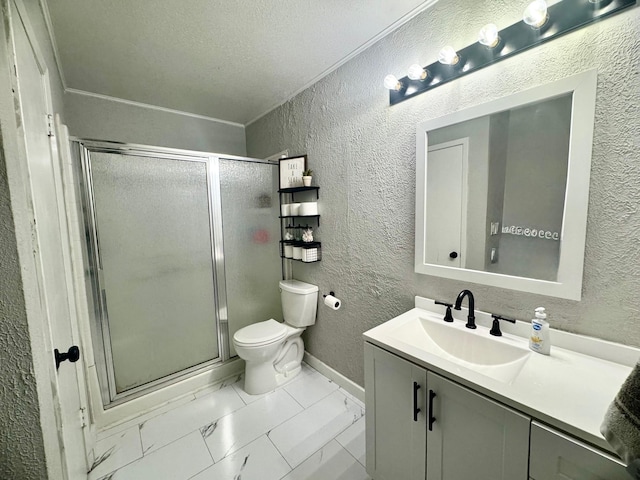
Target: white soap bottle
[(539, 340)]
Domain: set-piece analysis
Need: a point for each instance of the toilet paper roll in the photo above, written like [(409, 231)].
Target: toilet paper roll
[(332, 302)]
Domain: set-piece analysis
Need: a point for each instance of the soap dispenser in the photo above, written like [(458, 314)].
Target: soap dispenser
[(539, 340)]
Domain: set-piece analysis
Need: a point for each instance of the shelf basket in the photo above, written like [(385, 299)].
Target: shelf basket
[(307, 252)]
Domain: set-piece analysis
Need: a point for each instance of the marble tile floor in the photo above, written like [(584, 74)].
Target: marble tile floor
[(305, 430)]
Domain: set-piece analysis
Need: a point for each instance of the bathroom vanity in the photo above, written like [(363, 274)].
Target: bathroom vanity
[(446, 402)]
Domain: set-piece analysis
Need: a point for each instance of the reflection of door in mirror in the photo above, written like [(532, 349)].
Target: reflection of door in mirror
[(446, 236), (476, 133), (516, 164)]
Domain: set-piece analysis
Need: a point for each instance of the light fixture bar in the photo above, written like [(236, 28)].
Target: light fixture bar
[(564, 17)]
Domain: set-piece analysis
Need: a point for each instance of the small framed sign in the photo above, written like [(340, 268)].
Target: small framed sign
[(291, 169)]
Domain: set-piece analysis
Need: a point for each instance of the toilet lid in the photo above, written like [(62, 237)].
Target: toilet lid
[(260, 333)]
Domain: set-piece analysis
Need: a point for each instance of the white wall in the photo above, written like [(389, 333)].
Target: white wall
[(102, 118), (535, 183), (363, 154), (498, 144)]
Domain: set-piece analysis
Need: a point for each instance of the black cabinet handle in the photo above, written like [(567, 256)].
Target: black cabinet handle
[(453, 255), (432, 419), (416, 410)]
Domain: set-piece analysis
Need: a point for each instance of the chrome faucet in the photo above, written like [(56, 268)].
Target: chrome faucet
[(471, 319)]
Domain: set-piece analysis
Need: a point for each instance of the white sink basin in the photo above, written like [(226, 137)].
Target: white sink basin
[(500, 358)]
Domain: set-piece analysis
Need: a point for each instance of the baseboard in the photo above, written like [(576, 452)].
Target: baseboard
[(335, 376)]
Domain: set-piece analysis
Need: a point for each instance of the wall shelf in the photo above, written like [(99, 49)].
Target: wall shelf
[(316, 217), (294, 190), (311, 252), (308, 252)]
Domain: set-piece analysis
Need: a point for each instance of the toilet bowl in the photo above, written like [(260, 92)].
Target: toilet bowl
[(273, 350)]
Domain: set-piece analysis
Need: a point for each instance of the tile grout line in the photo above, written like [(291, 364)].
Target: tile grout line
[(143, 456), (294, 399), (198, 429), (180, 438), (269, 431), (207, 446), (279, 453), (347, 450), (318, 400), (131, 419), (283, 389), (329, 441), (210, 455), (126, 464), (140, 439)]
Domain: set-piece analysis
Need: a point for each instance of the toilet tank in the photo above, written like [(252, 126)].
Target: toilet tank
[(299, 302)]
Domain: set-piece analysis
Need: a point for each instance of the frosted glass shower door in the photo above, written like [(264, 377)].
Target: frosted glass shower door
[(155, 245), (251, 232)]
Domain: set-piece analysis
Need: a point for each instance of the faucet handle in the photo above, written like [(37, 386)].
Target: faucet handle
[(447, 316), (495, 327)]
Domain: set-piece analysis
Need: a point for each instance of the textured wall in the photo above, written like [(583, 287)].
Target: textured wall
[(103, 119), (21, 447), (21, 443), (363, 154)]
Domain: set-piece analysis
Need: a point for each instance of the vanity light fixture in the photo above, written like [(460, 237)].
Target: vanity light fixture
[(562, 17), (416, 72), (488, 35), (536, 14), (448, 56), (392, 83)]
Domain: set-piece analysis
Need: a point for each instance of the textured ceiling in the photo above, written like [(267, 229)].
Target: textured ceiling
[(228, 59)]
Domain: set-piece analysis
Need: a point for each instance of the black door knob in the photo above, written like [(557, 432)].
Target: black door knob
[(73, 355), (453, 255)]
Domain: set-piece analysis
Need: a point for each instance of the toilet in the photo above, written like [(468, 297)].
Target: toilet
[(272, 350)]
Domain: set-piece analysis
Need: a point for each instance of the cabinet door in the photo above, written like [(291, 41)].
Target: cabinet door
[(396, 443), (474, 437), (555, 456)]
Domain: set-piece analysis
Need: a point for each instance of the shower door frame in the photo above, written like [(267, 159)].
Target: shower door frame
[(100, 322)]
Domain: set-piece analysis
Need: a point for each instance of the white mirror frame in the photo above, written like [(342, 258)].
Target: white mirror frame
[(574, 224)]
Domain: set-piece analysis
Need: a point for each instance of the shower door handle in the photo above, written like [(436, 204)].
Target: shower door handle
[(73, 355)]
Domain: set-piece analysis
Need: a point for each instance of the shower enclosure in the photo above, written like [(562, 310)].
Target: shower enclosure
[(181, 251)]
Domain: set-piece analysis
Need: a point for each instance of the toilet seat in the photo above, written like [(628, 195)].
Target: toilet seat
[(261, 333)]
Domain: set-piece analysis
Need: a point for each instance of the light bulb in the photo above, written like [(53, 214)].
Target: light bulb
[(488, 35), (448, 56), (392, 83), (416, 72), (536, 14)]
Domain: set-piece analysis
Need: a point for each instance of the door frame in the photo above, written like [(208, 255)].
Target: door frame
[(22, 202)]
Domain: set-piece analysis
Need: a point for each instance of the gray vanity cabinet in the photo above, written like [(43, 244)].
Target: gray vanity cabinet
[(556, 456), (463, 435), (473, 437), (396, 432)]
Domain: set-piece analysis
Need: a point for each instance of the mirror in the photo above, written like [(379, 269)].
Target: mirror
[(502, 190)]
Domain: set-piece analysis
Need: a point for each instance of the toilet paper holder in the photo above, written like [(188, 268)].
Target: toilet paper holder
[(332, 293), (331, 301)]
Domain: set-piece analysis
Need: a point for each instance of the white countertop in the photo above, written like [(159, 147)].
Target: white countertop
[(570, 389)]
